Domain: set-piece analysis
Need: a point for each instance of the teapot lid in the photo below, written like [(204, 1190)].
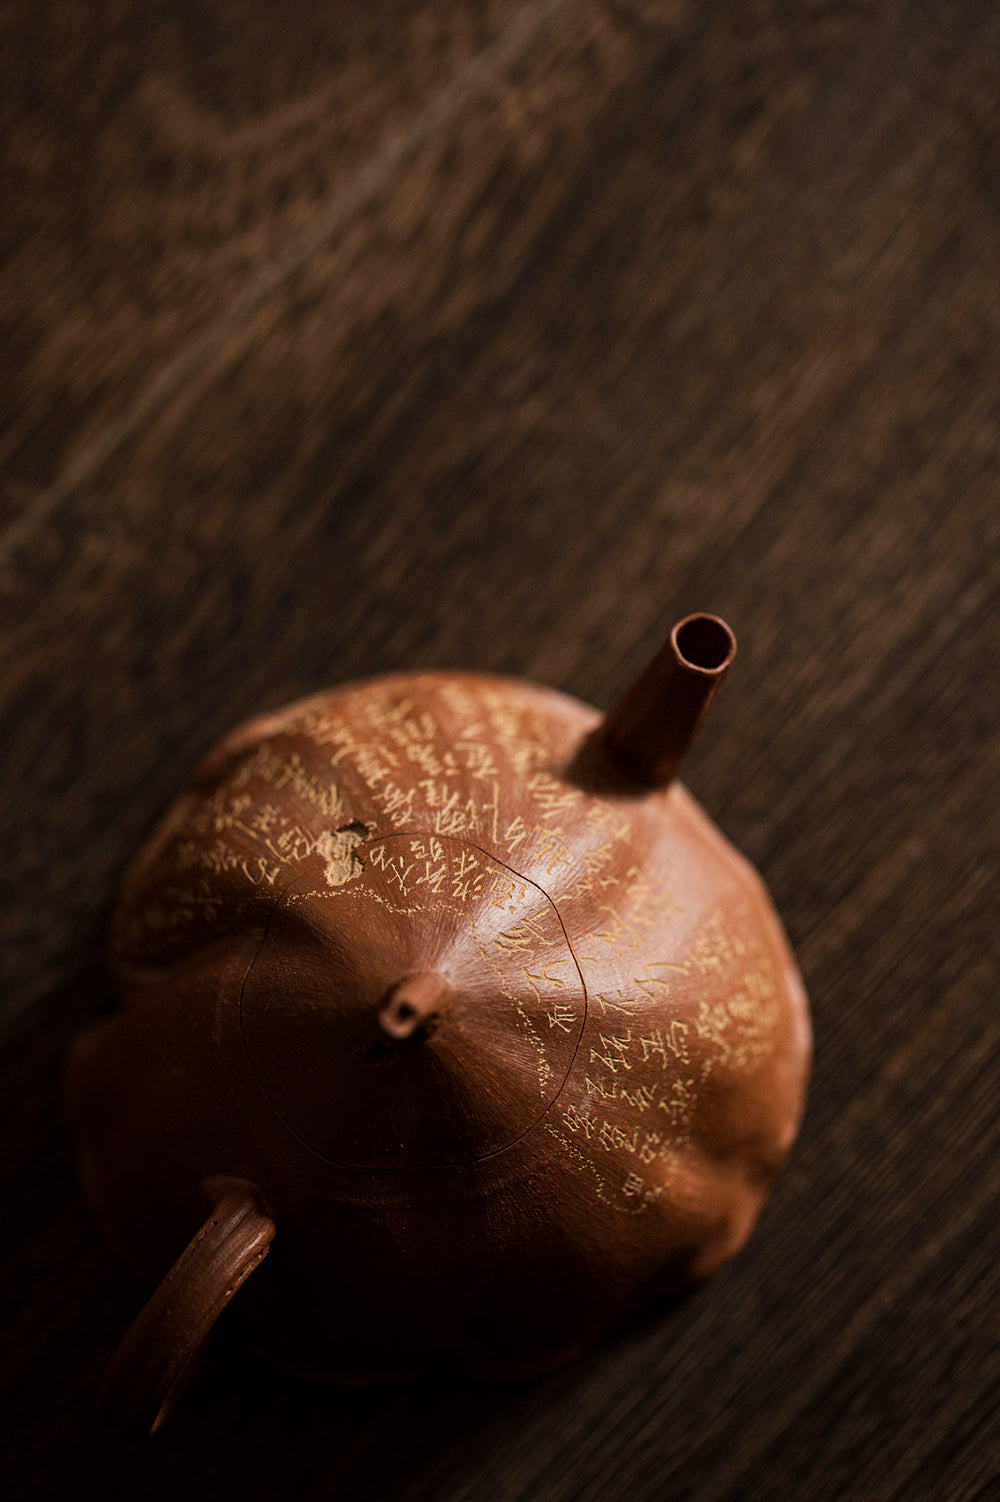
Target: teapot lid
[(424, 1012)]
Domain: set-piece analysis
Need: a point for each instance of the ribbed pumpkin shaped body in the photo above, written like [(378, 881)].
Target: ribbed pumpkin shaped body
[(589, 1109)]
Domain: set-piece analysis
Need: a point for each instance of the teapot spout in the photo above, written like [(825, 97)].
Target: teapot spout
[(642, 741)]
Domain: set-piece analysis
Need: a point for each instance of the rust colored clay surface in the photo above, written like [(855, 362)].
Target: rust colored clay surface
[(504, 1034)]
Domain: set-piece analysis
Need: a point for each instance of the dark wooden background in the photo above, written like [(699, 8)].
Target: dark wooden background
[(352, 335)]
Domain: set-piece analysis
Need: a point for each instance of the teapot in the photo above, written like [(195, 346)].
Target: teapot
[(452, 1028)]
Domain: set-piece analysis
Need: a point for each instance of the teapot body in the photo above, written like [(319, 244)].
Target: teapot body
[(587, 1113)]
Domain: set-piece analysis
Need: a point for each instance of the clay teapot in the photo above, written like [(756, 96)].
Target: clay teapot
[(446, 984)]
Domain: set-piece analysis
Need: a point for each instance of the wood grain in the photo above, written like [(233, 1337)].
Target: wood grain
[(344, 338)]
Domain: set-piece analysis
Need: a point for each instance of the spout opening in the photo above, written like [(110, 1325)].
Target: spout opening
[(704, 643)]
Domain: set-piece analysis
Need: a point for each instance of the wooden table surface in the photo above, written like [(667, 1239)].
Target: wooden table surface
[(343, 337)]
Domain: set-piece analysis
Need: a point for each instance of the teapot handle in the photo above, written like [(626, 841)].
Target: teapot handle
[(149, 1369)]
